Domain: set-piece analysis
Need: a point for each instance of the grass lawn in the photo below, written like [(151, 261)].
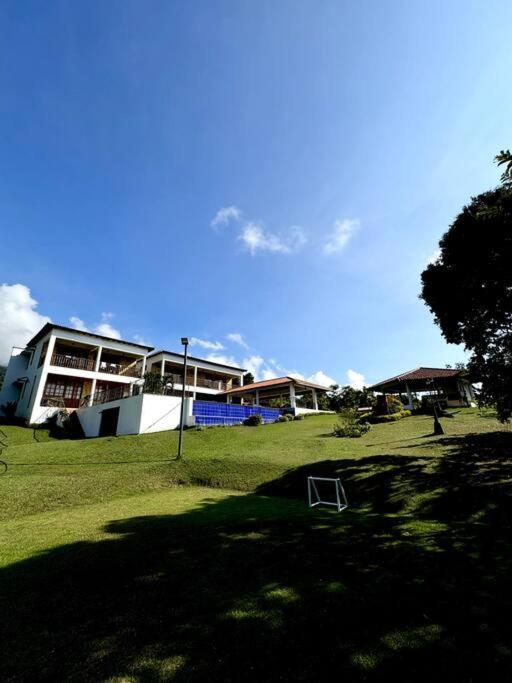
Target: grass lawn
[(107, 572)]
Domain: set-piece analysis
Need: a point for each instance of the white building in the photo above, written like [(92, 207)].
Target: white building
[(63, 369)]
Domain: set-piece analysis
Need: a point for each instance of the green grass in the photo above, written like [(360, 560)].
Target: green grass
[(111, 571)]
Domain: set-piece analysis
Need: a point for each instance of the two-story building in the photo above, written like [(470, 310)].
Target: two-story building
[(63, 369)]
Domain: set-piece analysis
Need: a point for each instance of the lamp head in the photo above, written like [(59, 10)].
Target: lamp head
[(184, 341)]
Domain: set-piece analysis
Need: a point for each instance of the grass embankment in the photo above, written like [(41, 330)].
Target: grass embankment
[(110, 574), (46, 474)]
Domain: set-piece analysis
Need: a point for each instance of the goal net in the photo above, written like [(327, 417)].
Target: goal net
[(326, 491)]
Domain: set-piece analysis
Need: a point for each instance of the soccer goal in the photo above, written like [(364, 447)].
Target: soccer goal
[(339, 499)]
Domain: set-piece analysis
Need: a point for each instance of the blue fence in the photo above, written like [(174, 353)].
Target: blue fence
[(212, 413)]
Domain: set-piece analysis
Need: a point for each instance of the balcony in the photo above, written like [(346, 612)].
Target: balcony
[(133, 369), (74, 362), (216, 384)]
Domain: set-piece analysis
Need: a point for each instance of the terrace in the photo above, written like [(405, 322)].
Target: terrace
[(79, 356)]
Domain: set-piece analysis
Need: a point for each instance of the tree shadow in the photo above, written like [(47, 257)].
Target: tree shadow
[(263, 588)]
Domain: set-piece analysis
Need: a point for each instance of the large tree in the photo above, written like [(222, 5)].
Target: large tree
[(469, 289)]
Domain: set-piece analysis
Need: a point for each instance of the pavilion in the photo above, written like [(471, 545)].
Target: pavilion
[(288, 388), (448, 384)]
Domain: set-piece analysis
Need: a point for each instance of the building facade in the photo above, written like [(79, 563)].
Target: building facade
[(66, 369)]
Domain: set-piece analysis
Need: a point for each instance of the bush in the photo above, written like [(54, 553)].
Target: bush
[(298, 417), (253, 420), (289, 417), (351, 431), (282, 418)]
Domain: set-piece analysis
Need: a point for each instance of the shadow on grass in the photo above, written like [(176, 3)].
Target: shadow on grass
[(261, 588)]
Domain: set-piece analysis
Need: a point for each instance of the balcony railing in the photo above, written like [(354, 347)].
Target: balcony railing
[(79, 363), (60, 402), (126, 369), (74, 362), (217, 384)]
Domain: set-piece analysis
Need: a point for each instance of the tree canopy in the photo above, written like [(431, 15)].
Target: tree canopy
[(469, 289)]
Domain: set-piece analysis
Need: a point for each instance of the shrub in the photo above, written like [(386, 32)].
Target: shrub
[(253, 420), (351, 431), (289, 417), (282, 418), (387, 404), (298, 417)]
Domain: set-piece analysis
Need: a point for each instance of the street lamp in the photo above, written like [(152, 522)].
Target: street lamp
[(184, 341)]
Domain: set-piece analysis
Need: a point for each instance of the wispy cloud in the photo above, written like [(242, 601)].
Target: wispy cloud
[(237, 338), (225, 215), (341, 234), (104, 327), (222, 359), (255, 239), (207, 344)]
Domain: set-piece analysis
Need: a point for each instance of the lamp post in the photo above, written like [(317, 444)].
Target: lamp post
[(184, 341)]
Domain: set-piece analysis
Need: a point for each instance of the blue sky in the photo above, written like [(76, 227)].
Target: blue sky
[(343, 137)]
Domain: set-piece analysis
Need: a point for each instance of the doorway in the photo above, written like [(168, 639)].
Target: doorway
[(109, 420)]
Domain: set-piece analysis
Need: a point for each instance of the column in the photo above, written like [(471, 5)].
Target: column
[(257, 398), (93, 391), (195, 382), (229, 398), (409, 396), (293, 401), (98, 359), (32, 415), (315, 399), (162, 368)]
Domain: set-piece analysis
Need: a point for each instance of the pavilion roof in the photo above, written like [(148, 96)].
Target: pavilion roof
[(419, 376), (274, 384)]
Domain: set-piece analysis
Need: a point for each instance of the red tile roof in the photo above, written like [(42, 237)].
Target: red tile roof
[(264, 384), (419, 374)]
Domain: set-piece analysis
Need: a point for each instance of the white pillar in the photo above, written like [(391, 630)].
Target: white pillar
[(409, 396), (34, 411), (241, 380), (257, 397), (162, 368), (93, 391), (144, 361), (195, 382), (229, 398), (293, 400), (98, 359), (315, 399)]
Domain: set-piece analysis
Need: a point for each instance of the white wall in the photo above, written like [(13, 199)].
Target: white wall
[(141, 414)]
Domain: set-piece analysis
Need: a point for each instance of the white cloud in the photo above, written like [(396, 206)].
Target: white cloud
[(254, 364), (78, 324), (207, 344), (104, 327), (268, 373), (355, 379), (107, 330), (225, 215), (434, 257), (237, 338), (255, 239), (222, 359), (319, 377), (138, 339), (339, 237), (20, 320)]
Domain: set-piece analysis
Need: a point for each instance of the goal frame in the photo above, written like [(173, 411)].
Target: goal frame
[(314, 498)]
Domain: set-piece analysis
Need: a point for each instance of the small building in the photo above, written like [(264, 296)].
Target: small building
[(447, 384), (284, 390)]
